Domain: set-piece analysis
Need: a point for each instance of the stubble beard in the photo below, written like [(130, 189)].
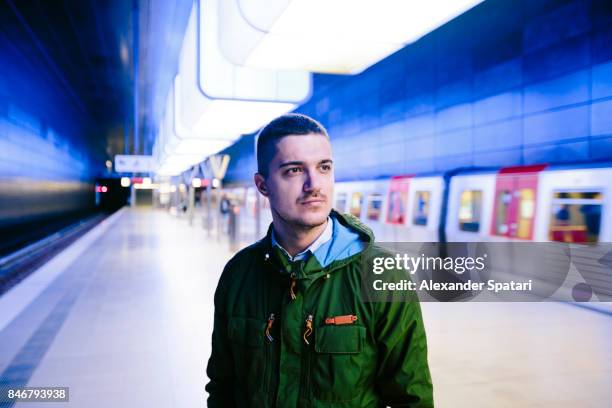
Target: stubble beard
[(299, 224)]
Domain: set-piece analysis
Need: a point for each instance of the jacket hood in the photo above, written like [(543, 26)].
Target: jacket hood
[(349, 237)]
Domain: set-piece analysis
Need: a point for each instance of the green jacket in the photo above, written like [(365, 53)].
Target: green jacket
[(377, 358)]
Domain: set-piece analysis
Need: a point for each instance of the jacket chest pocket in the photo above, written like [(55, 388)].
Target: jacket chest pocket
[(338, 362), (251, 352)]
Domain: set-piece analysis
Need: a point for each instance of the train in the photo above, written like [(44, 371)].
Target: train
[(540, 203)]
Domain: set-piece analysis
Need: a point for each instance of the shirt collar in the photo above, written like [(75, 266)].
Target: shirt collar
[(325, 236)]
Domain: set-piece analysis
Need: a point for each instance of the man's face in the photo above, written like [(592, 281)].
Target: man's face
[(300, 182)]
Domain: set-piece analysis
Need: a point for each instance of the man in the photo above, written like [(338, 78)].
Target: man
[(290, 327)]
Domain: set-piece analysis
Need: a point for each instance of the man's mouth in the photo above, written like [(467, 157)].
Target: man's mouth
[(314, 201)]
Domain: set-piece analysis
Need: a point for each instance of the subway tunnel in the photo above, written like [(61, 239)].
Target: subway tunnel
[(134, 171)]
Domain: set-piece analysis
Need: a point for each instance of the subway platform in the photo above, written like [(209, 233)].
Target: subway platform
[(123, 317)]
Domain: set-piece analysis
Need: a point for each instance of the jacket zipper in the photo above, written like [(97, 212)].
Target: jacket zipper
[(308, 348)]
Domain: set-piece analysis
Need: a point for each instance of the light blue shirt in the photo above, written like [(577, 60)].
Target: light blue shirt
[(322, 239)]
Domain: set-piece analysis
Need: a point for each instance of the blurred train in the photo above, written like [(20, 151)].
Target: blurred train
[(533, 203), (33, 209)]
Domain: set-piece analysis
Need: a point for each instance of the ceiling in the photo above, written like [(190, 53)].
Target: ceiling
[(87, 47)]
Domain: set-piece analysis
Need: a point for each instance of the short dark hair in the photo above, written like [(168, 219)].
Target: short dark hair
[(285, 125)]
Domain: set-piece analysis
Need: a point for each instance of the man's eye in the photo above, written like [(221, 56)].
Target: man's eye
[(326, 167), (294, 170)]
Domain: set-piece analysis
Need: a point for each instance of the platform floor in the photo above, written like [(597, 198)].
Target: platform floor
[(124, 316)]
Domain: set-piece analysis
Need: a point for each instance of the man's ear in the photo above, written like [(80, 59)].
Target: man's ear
[(260, 182)]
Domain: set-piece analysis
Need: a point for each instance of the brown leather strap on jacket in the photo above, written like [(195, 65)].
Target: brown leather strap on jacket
[(337, 320)]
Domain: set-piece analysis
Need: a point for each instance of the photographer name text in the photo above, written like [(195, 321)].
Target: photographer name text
[(430, 285)]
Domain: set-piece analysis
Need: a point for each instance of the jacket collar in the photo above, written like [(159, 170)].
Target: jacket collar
[(312, 266), (325, 236)]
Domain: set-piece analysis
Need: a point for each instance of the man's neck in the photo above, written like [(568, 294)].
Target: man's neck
[(295, 240)]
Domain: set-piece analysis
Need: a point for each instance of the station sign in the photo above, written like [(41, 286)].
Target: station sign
[(134, 163)]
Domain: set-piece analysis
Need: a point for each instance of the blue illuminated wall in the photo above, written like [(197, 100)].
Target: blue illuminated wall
[(242, 164), (45, 160), (507, 83)]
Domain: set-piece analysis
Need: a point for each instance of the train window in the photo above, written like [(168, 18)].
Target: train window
[(374, 207), (341, 202), (576, 216), (356, 203), (421, 208), (398, 198), (469, 210), (526, 212)]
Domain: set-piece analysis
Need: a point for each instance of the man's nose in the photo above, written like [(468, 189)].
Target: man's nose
[(313, 181)]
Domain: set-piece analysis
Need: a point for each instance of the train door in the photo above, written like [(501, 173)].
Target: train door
[(515, 202), (398, 200), (423, 210), (397, 205)]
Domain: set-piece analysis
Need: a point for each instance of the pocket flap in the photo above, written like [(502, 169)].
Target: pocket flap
[(339, 339), (246, 331)]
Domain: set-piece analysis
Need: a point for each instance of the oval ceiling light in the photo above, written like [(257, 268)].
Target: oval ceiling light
[(331, 36), (219, 99), (212, 101), (186, 141), (180, 148), (170, 151)]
